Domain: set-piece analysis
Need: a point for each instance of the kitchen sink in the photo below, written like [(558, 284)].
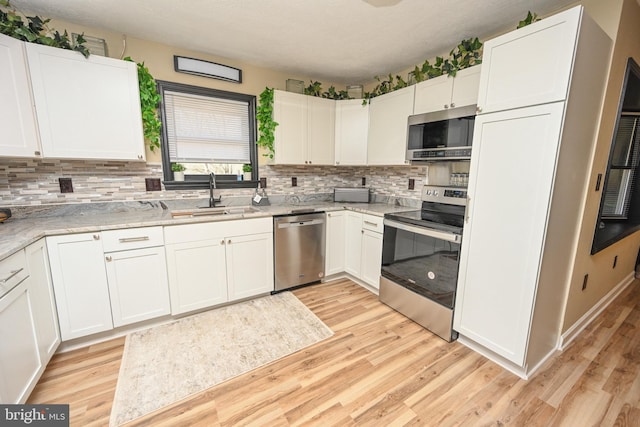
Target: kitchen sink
[(223, 210)]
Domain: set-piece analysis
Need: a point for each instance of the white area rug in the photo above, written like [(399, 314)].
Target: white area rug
[(167, 363)]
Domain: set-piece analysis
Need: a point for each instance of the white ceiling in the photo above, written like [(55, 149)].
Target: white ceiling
[(341, 41)]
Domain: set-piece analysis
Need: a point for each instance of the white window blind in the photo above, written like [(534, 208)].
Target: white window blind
[(206, 129)]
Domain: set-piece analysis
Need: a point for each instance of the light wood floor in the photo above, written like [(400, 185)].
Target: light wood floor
[(381, 369)]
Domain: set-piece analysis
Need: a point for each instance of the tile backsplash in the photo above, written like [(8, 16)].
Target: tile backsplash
[(36, 182)]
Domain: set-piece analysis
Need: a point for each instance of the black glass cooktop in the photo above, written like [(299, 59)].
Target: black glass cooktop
[(433, 215)]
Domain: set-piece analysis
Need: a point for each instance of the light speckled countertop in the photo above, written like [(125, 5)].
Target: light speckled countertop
[(16, 233)]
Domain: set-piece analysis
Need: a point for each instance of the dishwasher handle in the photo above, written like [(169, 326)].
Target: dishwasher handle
[(302, 223)]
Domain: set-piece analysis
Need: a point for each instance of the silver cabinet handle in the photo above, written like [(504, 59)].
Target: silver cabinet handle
[(479, 109), (109, 259), (453, 104), (371, 223), (222, 242), (96, 237), (140, 156), (466, 211), (362, 231), (446, 106), (229, 242), (37, 153), (134, 239), (11, 274)]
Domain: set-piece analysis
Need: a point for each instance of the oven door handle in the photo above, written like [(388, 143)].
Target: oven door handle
[(442, 235)]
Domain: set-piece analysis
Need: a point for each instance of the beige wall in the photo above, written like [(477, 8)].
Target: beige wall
[(602, 276)]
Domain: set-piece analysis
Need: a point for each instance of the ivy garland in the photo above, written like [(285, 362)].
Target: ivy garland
[(35, 30), (149, 101), (266, 124)]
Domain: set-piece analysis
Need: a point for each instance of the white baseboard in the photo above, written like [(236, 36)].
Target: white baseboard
[(575, 329), (494, 357)]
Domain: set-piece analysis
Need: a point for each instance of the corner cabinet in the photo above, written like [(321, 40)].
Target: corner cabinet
[(17, 116), (352, 124), (218, 262), (387, 135), (87, 108), (305, 131), (517, 252), (444, 92)]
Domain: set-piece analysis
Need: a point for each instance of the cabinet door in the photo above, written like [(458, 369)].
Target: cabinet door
[(433, 95), (388, 114), (197, 274), (353, 243), (249, 265), (514, 151), (290, 112), (531, 65), (137, 285), (17, 118), (465, 87), (371, 258), (44, 305), (321, 119), (352, 124), (19, 357), (336, 241), (79, 284), (87, 108)]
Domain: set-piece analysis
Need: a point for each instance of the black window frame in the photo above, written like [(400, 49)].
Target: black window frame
[(611, 230), (194, 182)]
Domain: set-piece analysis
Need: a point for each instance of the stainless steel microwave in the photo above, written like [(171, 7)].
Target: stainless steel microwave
[(441, 135)]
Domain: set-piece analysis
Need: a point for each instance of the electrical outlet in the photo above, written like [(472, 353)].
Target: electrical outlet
[(263, 182), (412, 183), (584, 282), (152, 184), (364, 181), (66, 185), (294, 181)]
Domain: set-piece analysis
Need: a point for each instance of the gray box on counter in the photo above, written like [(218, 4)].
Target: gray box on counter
[(352, 194)]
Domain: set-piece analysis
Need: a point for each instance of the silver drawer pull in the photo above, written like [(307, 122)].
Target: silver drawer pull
[(375, 224), (13, 273), (133, 239)]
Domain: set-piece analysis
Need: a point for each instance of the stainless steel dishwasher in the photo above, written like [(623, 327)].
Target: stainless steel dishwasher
[(299, 249)]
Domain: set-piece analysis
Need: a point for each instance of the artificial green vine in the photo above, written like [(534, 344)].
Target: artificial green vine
[(315, 89), (530, 19), (36, 30), (266, 124), (149, 101)]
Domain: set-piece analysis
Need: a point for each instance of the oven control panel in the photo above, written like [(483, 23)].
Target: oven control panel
[(450, 195)]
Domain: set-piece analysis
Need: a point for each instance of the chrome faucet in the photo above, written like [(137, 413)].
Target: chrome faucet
[(212, 186)]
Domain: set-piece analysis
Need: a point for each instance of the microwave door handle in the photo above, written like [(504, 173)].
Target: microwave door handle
[(442, 235)]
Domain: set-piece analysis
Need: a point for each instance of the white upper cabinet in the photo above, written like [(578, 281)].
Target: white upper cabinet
[(531, 65), (290, 112), (387, 136), (352, 124), (17, 117), (87, 108), (305, 131), (444, 92), (321, 124)]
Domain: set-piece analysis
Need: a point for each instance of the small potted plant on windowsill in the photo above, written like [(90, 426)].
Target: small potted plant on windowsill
[(246, 169), (178, 171)]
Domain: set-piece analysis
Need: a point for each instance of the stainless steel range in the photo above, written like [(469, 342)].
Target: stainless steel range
[(420, 256)]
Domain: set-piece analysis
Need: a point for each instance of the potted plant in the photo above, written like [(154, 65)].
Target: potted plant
[(178, 171), (247, 172)]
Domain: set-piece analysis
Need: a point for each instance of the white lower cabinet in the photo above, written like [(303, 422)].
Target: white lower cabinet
[(335, 243), (363, 247), (28, 324), (80, 284), (109, 279), (217, 262)]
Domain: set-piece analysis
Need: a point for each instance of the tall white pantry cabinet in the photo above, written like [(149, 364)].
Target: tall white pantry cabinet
[(540, 99)]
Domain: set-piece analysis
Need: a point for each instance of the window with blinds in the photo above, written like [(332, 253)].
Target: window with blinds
[(622, 171), (206, 129)]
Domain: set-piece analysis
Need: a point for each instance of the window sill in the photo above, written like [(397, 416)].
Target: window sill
[(204, 185)]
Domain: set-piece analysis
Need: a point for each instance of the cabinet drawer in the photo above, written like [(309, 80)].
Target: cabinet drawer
[(13, 270), (132, 238), (372, 222), (207, 230)]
